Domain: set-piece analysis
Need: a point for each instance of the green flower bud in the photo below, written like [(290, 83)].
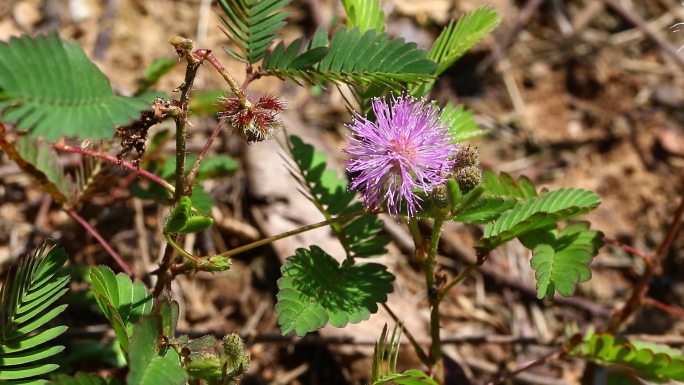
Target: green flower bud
[(467, 170), (214, 263)]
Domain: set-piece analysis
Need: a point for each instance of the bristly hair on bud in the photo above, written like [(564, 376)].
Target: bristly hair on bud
[(406, 149), (254, 121)]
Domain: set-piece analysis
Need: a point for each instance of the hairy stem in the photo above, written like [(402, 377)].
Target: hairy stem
[(433, 297), (209, 57), (105, 245), (112, 159)]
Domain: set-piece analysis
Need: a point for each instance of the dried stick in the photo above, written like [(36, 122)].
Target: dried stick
[(117, 258), (556, 354)]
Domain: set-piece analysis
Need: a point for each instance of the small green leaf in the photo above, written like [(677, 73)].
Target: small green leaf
[(179, 216), (147, 367), (561, 259), (460, 123), (364, 14), (315, 289), (217, 166), (196, 224), (154, 72)]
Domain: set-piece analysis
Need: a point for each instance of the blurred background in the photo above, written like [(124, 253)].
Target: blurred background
[(574, 93)]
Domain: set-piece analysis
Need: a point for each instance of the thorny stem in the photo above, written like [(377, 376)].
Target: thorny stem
[(117, 258), (195, 167), (113, 159), (416, 346), (183, 48), (433, 297), (652, 266)]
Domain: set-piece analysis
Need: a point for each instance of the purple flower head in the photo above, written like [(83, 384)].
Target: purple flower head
[(407, 148)]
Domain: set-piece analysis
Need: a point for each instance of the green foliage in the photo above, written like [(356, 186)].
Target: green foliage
[(456, 39), (27, 302), (561, 258), (217, 166), (315, 289), (651, 362), (251, 26), (538, 212), (364, 14), (54, 90), (121, 301), (329, 193), (504, 185), (460, 123), (462, 35), (352, 58), (185, 220), (216, 362), (80, 379), (384, 369), (149, 364)]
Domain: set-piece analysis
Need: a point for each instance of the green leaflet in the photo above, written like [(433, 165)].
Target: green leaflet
[(149, 365), (54, 90), (460, 123), (352, 58), (536, 213), (315, 289), (364, 14), (360, 236), (121, 301), (27, 304), (251, 25), (652, 362), (561, 259), (182, 220)]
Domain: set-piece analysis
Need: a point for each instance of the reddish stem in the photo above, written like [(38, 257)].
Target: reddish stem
[(113, 159), (117, 258), (205, 150), (628, 248), (556, 354), (675, 311)]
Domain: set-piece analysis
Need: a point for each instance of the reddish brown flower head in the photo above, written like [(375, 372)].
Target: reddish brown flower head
[(253, 121)]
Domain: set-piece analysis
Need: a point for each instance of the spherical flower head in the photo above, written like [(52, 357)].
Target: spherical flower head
[(406, 149), (254, 121)]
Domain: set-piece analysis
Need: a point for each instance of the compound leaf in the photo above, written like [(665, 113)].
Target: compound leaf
[(251, 25), (315, 289), (147, 365), (52, 89), (352, 58), (27, 303), (538, 212), (652, 362), (364, 14), (561, 259), (460, 123)]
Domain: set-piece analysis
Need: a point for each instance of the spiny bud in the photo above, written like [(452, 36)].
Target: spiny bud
[(467, 171), (237, 362), (253, 121), (214, 263), (440, 200)]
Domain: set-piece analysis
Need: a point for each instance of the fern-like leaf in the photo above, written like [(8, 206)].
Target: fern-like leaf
[(121, 301), (651, 362), (329, 193), (460, 123), (52, 89), (364, 14), (536, 213), (251, 26), (315, 289), (27, 303), (352, 58), (561, 259)]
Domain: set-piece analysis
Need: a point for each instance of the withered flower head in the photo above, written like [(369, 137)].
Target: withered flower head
[(253, 121)]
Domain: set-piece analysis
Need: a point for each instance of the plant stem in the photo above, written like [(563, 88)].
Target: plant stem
[(195, 167), (539, 361), (418, 239), (640, 290), (208, 56), (113, 159), (628, 248), (433, 297), (180, 250), (117, 258), (290, 233)]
